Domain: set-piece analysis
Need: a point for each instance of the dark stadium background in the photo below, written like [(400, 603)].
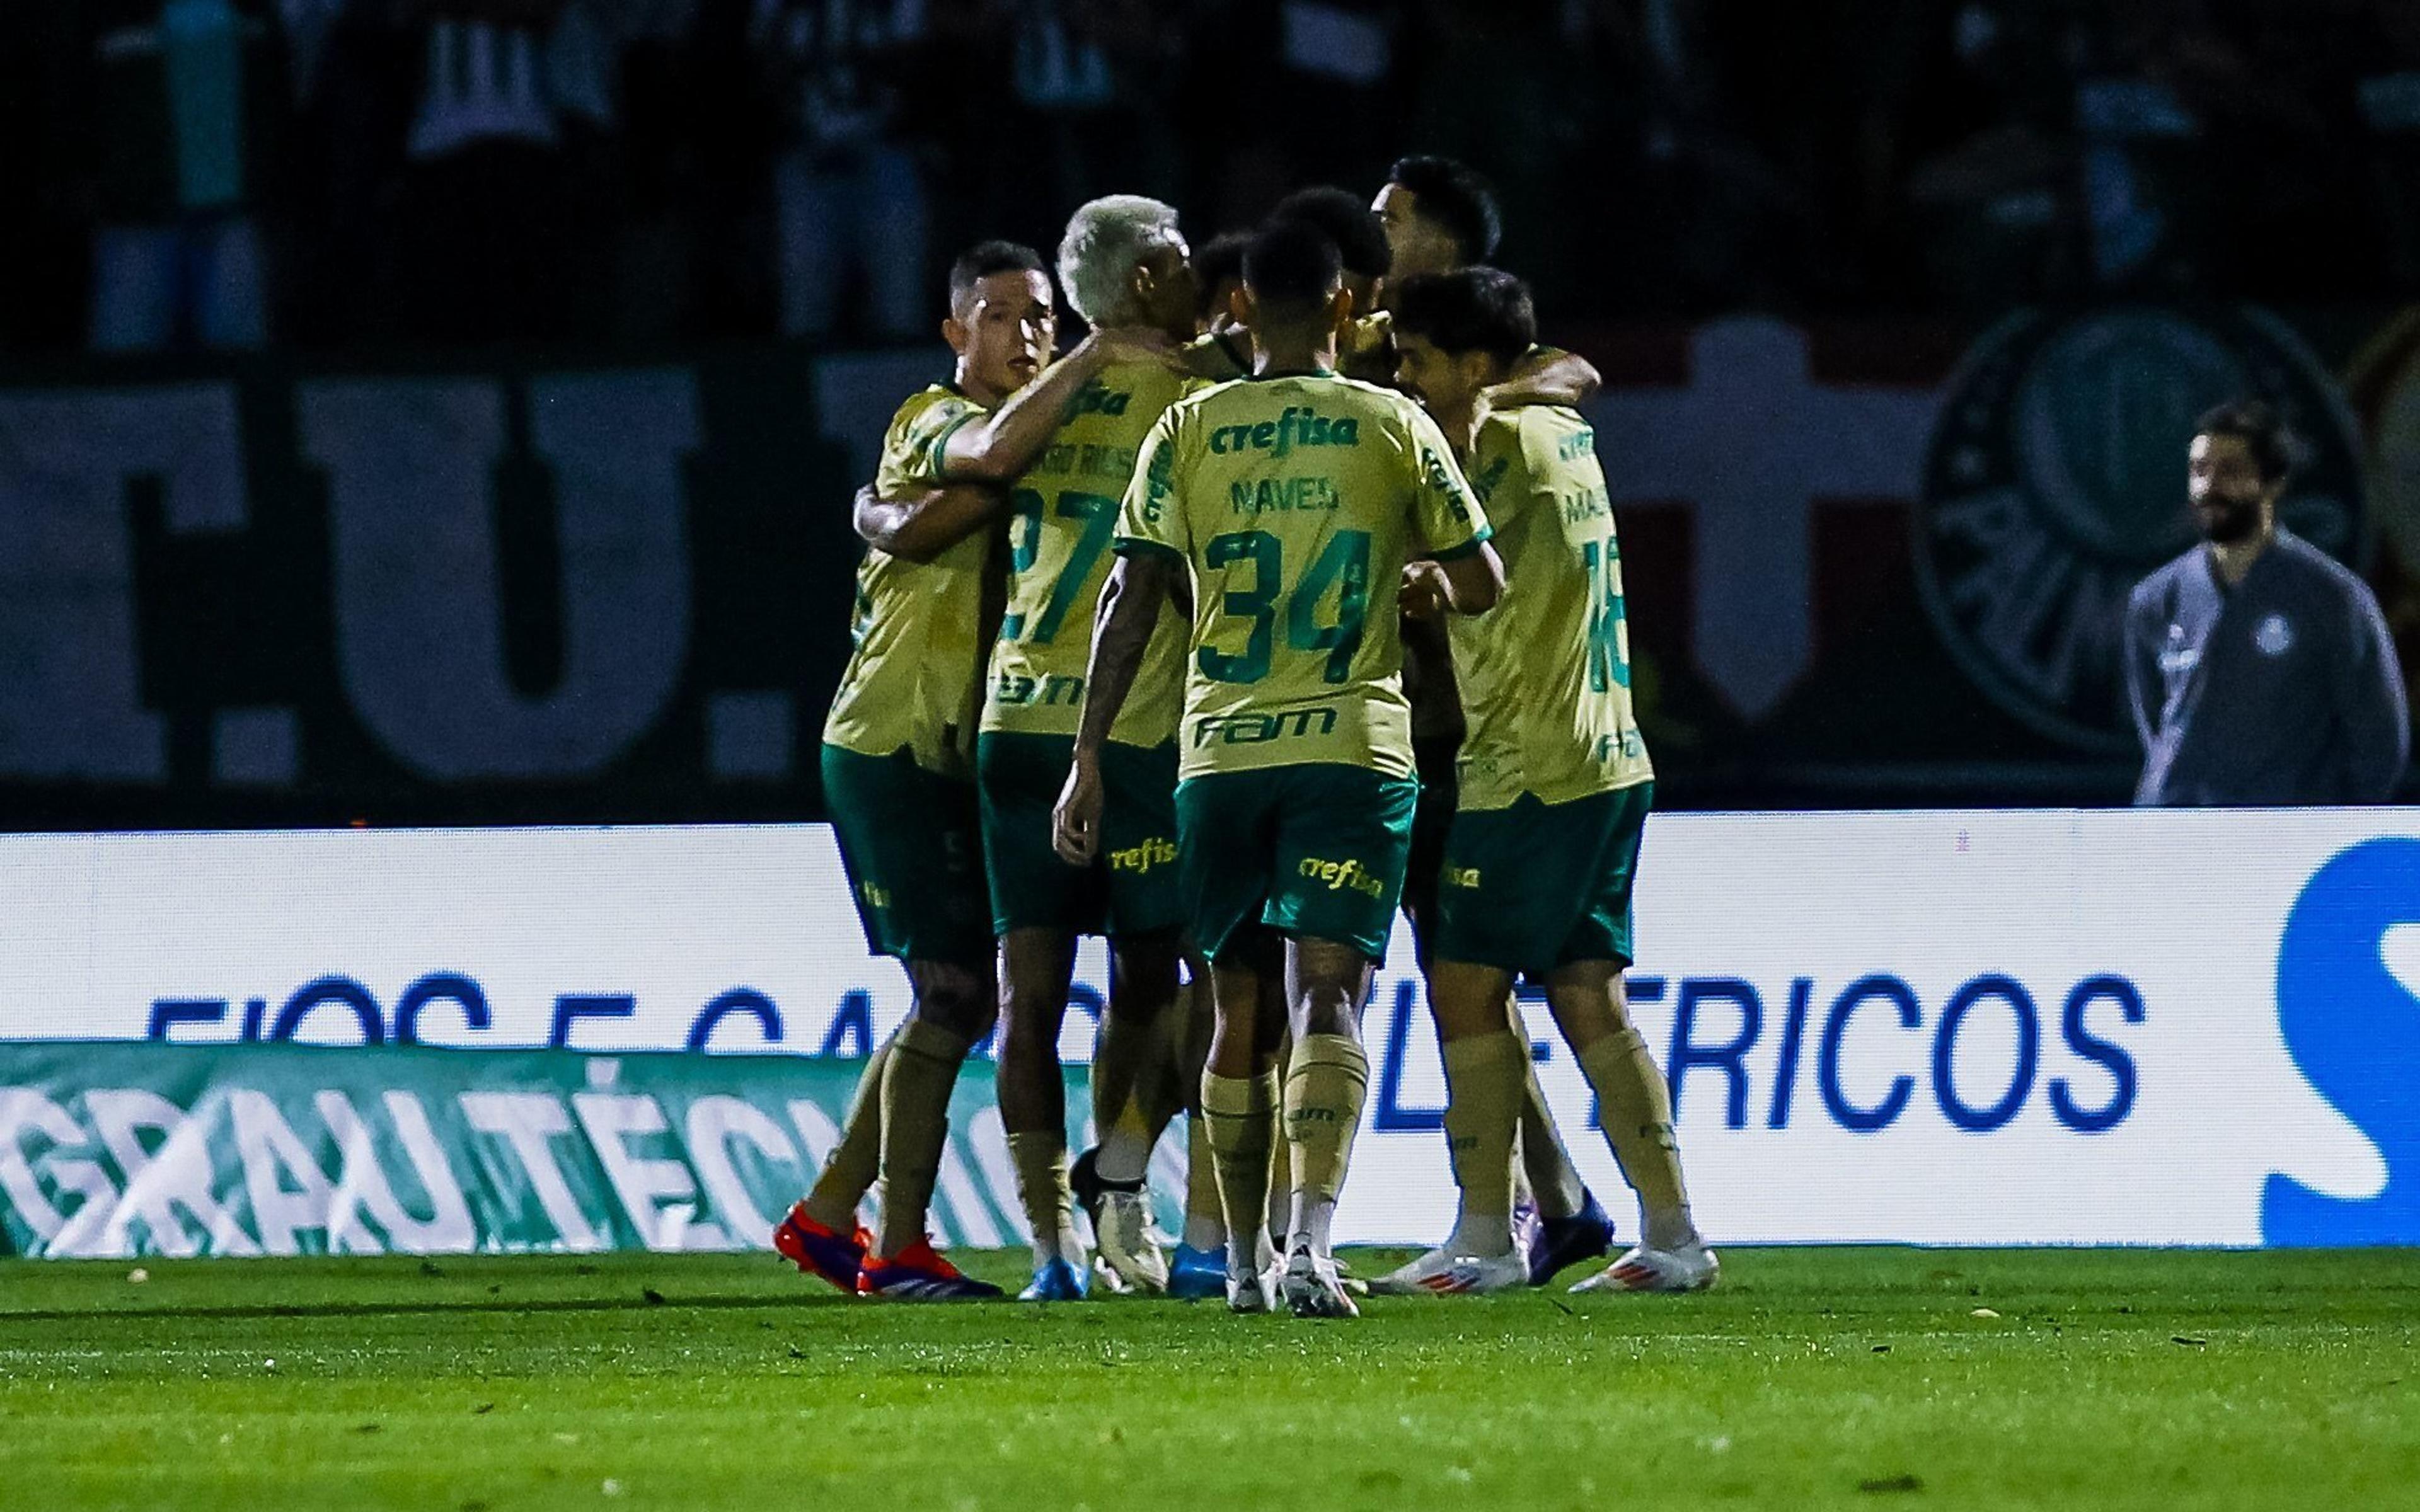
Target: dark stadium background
[(1903, 194)]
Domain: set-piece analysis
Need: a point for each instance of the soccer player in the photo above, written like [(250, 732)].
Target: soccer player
[(1439, 216), (1123, 264), (1554, 790), (1280, 504), (896, 768)]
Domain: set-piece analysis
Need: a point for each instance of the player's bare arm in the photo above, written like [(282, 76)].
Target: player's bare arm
[(1426, 595), (1006, 441), (1469, 582), (1122, 627), (1548, 376), (920, 526)]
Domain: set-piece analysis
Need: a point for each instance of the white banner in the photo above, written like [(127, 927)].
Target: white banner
[(2011, 1027)]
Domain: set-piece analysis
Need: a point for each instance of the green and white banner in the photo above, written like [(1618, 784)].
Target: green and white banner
[(140, 1150)]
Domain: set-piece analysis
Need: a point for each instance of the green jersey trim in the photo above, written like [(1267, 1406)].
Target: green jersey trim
[(1456, 553), (936, 451)]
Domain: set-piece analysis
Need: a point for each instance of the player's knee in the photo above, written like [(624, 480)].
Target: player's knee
[(956, 999), (1326, 1007)]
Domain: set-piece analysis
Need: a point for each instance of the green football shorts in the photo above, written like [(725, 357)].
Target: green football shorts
[(1538, 886), (907, 839), (1316, 849), (1131, 889)]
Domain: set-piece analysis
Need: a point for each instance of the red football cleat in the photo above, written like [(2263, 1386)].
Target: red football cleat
[(823, 1251), (918, 1275)]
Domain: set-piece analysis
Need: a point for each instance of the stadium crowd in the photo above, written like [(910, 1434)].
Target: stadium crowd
[(340, 172)]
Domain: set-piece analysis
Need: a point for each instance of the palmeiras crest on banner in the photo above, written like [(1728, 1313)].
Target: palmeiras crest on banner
[(2054, 482)]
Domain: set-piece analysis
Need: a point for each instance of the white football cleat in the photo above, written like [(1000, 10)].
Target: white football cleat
[(1255, 1292), (1442, 1274), (1311, 1288), (1130, 1250), (1692, 1267)]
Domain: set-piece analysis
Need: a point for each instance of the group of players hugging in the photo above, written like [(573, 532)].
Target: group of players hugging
[(1287, 597)]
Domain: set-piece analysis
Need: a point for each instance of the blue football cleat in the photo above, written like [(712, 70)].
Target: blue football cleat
[(1197, 1275), (1555, 1244), (1054, 1281)]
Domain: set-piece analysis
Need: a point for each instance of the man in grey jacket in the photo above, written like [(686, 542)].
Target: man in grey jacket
[(2259, 670)]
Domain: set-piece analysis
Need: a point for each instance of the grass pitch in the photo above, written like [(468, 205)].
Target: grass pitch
[(1873, 1378)]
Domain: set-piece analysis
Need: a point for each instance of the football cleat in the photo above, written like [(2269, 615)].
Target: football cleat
[(1129, 1248), (1442, 1273), (1196, 1273), (822, 1251), (1552, 1245), (1311, 1289), (1255, 1291), (918, 1275), (1054, 1281), (1131, 1258), (1692, 1267)]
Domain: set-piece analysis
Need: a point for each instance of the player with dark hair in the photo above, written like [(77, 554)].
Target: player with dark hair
[(897, 757), (1553, 799), (1438, 215), (2258, 668), (1280, 505)]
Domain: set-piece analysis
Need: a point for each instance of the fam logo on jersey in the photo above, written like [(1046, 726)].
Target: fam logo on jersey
[(2354, 1029), (2054, 480)]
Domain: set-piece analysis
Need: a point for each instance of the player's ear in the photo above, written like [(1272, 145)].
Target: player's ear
[(954, 332), (1239, 304)]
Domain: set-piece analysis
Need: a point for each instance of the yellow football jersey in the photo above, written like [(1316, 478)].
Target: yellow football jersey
[(914, 679), (1295, 502), (1065, 512), (1545, 678)]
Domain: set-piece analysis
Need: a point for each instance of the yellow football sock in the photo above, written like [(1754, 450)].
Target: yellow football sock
[(1236, 1114), (1483, 1078), (1041, 1162), (915, 1086), (1637, 1111), (1326, 1081), (849, 1170)]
